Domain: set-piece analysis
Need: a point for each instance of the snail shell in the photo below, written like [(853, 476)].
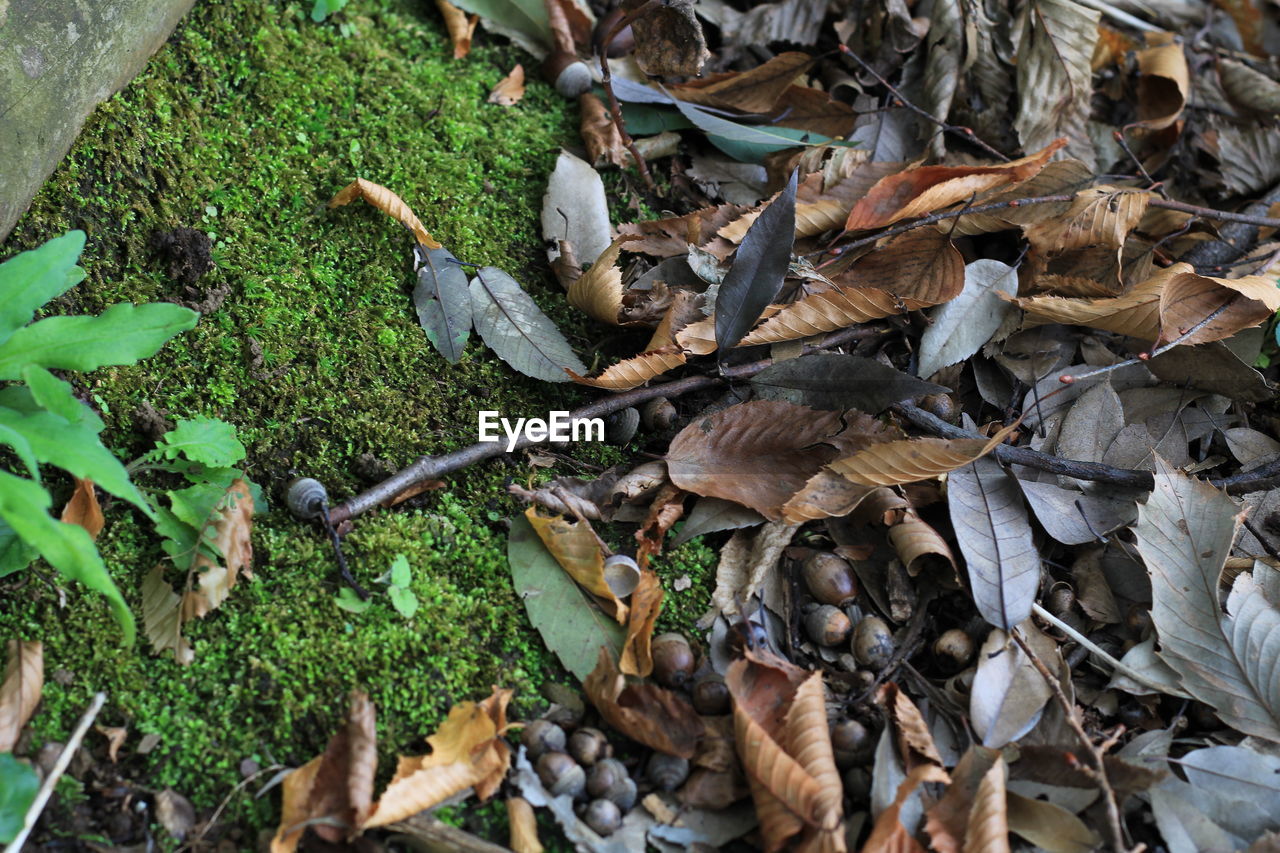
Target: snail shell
[(667, 772), (620, 427), (621, 574), (306, 498)]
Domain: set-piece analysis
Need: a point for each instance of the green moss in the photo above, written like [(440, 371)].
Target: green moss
[(243, 126)]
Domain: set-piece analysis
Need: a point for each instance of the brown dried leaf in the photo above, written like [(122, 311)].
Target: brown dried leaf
[(467, 751), (646, 713), (820, 312), (784, 743), (666, 238), (524, 826), (1163, 86), (895, 463), (823, 200), (389, 203), (918, 545), (460, 25), (232, 526), (646, 604), (925, 189), (510, 89), (162, 617), (337, 784), (577, 550), (889, 835), (988, 827), (600, 133), (635, 371), (115, 736), (1102, 214), (762, 452), (598, 291), (825, 495), (20, 692), (919, 267), (669, 40), (753, 91), (915, 742), (814, 110), (947, 820), (664, 511), (83, 509)]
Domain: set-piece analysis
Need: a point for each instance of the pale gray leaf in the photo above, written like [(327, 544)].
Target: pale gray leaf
[(838, 381), (574, 209), (1250, 447), (1074, 518), (991, 525), (443, 303), (1143, 660), (1184, 827), (1055, 76), (523, 21), (1091, 425), (1212, 367), (1230, 661), (514, 327), (1249, 157), (961, 326), (1237, 787), (711, 514), (1009, 694)]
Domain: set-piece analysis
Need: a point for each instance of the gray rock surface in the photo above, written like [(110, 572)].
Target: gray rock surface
[(58, 60)]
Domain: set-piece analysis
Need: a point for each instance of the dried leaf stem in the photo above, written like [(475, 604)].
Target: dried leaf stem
[(1096, 754), (615, 108)]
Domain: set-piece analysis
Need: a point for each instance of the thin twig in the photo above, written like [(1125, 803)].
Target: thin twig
[(966, 132), (1098, 772), (615, 108), (434, 467), (59, 767), (1120, 667)]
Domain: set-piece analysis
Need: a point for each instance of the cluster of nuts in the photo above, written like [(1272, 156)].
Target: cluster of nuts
[(830, 580)]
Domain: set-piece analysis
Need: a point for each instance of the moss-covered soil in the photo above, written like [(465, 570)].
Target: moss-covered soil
[(243, 126)]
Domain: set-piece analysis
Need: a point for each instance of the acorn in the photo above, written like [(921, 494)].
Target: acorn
[(658, 414), (569, 74), (829, 578), (561, 774), (873, 644), (542, 736), (608, 779), (857, 784), (953, 649), (711, 696), (621, 574), (827, 625), (1060, 600), (603, 816), (620, 427), (941, 406), (667, 772), (673, 660), (588, 745), (851, 743)]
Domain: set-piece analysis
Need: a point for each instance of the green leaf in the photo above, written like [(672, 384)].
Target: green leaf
[(443, 303), (836, 381), (759, 266), (401, 574), (350, 602), (50, 392), (324, 8), (523, 21), (30, 279), (21, 448), (18, 786), (647, 119), (748, 143), (122, 334), (74, 448), (404, 601), (208, 441), (15, 555), (514, 327), (67, 547), (570, 624)]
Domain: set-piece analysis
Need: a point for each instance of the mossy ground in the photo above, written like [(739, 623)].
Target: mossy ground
[(243, 125)]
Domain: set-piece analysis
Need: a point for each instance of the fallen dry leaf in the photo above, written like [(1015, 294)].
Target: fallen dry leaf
[(524, 826), (598, 291), (20, 692), (600, 133), (889, 835), (337, 784), (115, 736), (924, 189), (83, 509), (577, 550), (467, 751), (635, 371), (1163, 84), (646, 604), (762, 452), (389, 203), (895, 463), (915, 742), (460, 25), (753, 91), (647, 713), (510, 89), (232, 525), (666, 238)]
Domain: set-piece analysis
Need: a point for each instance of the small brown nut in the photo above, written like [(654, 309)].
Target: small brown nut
[(658, 414), (603, 816), (542, 736), (588, 745), (829, 578), (570, 75), (941, 406), (673, 660), (873, 644), (561, 774), (667, 772), (711, 696), (954, 649), (827, 625), (1061, 600), (851, 743)]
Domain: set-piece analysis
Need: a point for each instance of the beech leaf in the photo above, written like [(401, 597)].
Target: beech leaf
[(443, 303), (389, 203), (514, 327), (837, 381), (960, 327), (995, 539), (20, 692), (759, 266)]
